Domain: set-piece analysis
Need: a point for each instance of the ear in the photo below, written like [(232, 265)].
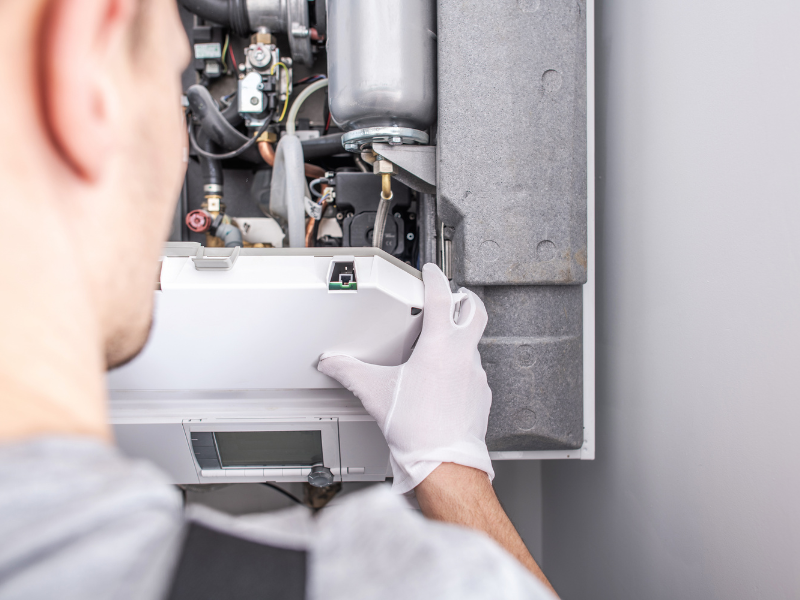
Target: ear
[(82, 42)]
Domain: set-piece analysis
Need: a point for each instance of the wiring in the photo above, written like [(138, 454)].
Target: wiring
[(233, 153), (317, 85), (227, 99), (327, 195), (233, 59), (291, 497), (327, 124), (286, 101), (224, 50), (312, 185), (310, 79)]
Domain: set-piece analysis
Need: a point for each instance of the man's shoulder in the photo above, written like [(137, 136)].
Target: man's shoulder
[(81, 520)]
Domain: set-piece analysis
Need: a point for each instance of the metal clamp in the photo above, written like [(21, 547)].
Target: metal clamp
[(361, 139), (215, 263)]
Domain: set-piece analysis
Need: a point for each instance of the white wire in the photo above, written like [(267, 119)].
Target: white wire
[(298, 102)]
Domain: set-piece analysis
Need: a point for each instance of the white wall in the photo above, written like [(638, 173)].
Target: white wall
[(695, 492)]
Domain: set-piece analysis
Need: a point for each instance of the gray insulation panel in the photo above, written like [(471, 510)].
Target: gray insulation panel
[(512, 139), (511, 184)]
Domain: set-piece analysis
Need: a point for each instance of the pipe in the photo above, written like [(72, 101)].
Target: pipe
[(386, 185), (228, 13), (214, 124), (268, 154), (317, 85), (310, 232), (229, 234), (314, 171), (287, 197), (326, 145), (383, 210)]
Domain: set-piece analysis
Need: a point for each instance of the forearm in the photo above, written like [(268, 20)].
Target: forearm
[(464, 496)]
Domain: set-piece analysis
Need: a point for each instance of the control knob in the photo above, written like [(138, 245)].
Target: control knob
[(320, 477)]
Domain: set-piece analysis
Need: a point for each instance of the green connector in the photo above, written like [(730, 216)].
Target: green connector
[(336, 286)]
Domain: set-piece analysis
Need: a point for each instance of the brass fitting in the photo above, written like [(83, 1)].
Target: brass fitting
[(386, 186), (381, 166), (268, 136), (262, 38)]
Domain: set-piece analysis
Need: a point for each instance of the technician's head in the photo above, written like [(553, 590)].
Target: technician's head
[(92, 153)]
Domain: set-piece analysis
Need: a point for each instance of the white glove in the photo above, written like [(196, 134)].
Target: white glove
[(435, 407)]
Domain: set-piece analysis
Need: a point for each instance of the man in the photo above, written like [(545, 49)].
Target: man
[(92, 157)]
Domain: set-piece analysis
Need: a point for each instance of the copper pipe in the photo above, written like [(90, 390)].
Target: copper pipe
[(267, 152), (310, 232), (314, 171)]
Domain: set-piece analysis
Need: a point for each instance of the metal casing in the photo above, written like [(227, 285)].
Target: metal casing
[(382, 63)]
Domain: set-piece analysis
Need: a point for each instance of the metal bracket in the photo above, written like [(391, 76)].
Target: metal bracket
[(417, 165), (215, 263)]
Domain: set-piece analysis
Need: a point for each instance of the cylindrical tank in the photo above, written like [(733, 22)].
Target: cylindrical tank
[(382, 63)]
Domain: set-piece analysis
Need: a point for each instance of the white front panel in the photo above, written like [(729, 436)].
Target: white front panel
[(264, 324)]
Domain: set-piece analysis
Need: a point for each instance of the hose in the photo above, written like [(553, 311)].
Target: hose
[(250, 143), (298, 102), (383, 210), (231, 113), (211, 168), (287, 197), (228, 13), (326, 145), (215, 126)]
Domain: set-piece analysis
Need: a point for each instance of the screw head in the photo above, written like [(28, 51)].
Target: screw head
[(397, 215), (411, 216), (339, 216), (253, 100), (396, 141), (409, 236)]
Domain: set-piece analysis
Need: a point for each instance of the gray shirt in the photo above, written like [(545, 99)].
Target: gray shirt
[(79, 520)]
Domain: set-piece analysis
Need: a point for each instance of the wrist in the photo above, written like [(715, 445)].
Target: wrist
[(453, 485)]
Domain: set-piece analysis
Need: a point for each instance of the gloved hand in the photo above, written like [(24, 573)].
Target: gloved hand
[(435, 407)]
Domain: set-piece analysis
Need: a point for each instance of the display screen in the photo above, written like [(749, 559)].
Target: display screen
[(269, 448)]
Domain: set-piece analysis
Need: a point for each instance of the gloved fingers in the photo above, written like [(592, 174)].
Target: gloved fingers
[(473, 315), (372, 384), (439, 303)]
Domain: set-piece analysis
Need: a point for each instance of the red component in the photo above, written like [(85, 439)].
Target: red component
[(198, 221)]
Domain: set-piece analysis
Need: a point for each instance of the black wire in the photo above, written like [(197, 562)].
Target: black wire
[(234, 153), (291, 497)]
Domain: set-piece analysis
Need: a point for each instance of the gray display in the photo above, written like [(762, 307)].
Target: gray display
[(269, 448)]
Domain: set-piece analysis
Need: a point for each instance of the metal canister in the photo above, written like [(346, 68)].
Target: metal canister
[(382, 63)]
